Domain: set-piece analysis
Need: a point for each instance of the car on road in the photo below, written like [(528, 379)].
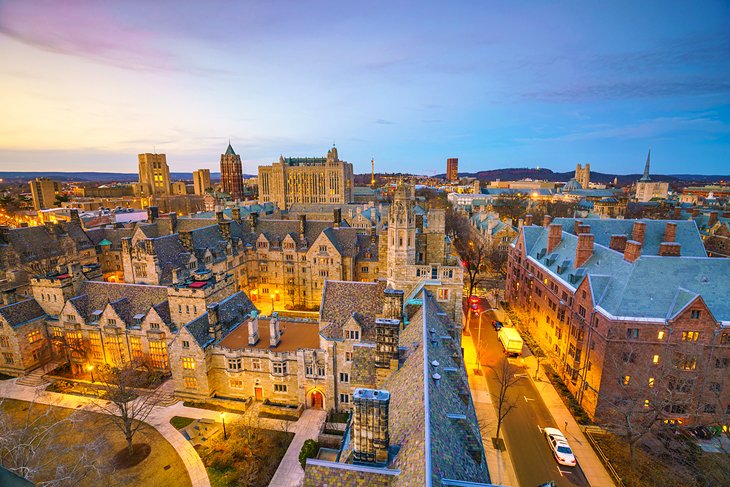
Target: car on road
[(474, 299), (559, 446), (497, 324)]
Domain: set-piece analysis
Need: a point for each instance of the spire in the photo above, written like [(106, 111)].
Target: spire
[(229, 150), (646, 177)]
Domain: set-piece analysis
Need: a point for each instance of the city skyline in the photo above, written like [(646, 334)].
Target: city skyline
[(90, 86)]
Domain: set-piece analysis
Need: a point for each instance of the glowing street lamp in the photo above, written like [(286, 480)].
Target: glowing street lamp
[(223, 419), (90, 368), (272, 302)]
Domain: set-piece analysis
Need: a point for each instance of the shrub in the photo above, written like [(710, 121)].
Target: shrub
[(309, 450)]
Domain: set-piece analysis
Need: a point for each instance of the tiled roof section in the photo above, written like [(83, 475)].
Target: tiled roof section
[(21, 312), (687, 233), (367, 248), (276, 230), (163, 310), (128, 299), (113, 235), (149, 230), (344, 239), (170, 254), (342, 299), (362, 371), (209, 238), (42, 242), (231, 311)]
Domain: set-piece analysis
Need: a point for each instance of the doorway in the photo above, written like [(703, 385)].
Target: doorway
[(258, 393)]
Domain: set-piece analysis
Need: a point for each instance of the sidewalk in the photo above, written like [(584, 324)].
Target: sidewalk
[(290, 472), (500, 466), (591, 465)]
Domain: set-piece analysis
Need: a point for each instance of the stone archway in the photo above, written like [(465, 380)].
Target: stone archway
[(315, 399)]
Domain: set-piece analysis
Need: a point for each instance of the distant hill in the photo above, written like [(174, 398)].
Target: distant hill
[(96, 176)]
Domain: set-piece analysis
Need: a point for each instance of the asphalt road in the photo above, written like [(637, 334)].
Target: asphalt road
[(531, 456)]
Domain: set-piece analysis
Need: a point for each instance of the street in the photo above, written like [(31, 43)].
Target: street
[(531, 456)]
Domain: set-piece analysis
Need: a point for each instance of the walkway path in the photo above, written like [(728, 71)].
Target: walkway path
[(290, 473)]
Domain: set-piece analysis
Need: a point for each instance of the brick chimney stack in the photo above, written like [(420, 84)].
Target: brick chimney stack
[(677, 211), (215, 331), (670, 249), (584, 250), (639, 232), (370, 435), (528, 220), (236, 213), (670, 232), (302, 226), (253, 331), (555, 236), (633, 251), (713, 218), (274, 332), (337, 216), (546, 220), (576, 225), (618, 242)]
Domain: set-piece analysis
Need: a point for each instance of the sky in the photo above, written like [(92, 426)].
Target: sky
[(86, 86)]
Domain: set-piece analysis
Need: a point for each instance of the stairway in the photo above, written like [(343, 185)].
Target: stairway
[(166, 394), (36, 377)]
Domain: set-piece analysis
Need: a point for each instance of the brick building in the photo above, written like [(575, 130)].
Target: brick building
[(632, 314)]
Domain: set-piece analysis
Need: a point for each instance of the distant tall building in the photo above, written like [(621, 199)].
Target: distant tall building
[(583, 175), (232, 173), (154, 174), (306, 180), (452, 169), (44, 192), (372, 174), (646, 189), (201, 180)]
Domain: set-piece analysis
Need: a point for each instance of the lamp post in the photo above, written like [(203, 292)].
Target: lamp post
[(272, 302), (90, 368), (223, 419)]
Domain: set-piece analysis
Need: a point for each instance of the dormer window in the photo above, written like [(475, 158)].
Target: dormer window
[(155, 326), (352, 334), (111, 321)]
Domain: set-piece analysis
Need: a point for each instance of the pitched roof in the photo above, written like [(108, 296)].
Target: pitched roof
[(231, 311), (21, 312), (229, 150), (342, 300), (126, 299)]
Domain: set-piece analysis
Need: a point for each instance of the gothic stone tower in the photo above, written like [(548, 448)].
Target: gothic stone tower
[(401, 235)]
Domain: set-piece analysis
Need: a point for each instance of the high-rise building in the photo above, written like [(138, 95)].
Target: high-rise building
[(306, 180), (452, 169), (154, 174), (201, 180), (232, 173), (583, 175), (44, 192)]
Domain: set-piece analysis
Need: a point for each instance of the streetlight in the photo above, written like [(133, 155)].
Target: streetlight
[(223, 418), (272, 302), (90, 368)]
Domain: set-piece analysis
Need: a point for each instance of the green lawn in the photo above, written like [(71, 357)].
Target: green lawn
[(163, 466), (180, 422)]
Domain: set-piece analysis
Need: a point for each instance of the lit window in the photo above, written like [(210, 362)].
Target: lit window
[(655, 359), (626, 379), (646, 403), (348, 356), (188, 363), (34, 336), (660, 335), (236, 384), (690, 336), (651, 381), (190, 382)]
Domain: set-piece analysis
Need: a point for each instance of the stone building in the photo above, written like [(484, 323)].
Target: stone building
[(232, 174), (154, 175), (583, 175), (306, 180), (493, 231), (43, 192), (632, 314), (201, 181)]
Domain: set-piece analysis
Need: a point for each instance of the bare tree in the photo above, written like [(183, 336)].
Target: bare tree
[(130, 396), (29, 447), (504, 375)]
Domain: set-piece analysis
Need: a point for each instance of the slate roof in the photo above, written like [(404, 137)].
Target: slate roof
[(42, 242), (231, 311), (344, 239), (170, 254), (126, 299), (362, 370), (21, 312), (603, 228), (113, 235), (276, 230), (652, 287), (342, 300)]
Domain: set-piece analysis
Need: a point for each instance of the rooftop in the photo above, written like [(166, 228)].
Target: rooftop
[(294, 336)]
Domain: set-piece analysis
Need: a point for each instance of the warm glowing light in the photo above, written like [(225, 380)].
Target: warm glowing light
[(89, 367)]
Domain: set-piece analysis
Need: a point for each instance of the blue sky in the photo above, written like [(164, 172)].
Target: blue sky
[(88, 85)]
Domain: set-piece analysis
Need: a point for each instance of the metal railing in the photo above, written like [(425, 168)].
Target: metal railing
[(589, 430)]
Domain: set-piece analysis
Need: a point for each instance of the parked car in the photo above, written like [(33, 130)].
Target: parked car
[(474, 299), (559, 446), (497, 324)]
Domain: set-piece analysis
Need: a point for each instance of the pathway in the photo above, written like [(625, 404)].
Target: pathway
[(290, 473)]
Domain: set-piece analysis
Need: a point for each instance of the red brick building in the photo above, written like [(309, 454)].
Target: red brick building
[(631, 313)]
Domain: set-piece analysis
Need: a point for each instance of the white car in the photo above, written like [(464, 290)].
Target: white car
[(559, 445)]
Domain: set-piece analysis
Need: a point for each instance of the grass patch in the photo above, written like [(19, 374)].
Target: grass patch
[(162, 466), (5, 376), (285, 417), (210, 407), (567, 397), (179, 422), (337, 417), (250, 456)]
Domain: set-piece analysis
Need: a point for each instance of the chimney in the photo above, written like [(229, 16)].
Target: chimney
[(528, 220), (584, 250), (392, 304), (726, 214), (274, 332), (254, 221), (419, 222), (370, 435), (215, 331), (253, 331), (236, 213), (670, 249), (555, 235), (225, 228), (677, 211), (373, 234), (302, 226), (386, 343), (633, 251), (186, 240), (74, 216), (149, 247), (153, 213), (670, 232), (639, 232), (713, 218), (173, 222), (695, 212), (618, 242), (219, 216), (546, 220), (175, 276), (337, 213), (577, 224)]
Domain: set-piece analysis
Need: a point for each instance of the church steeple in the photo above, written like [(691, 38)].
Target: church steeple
[(229, 150), (646, 177)]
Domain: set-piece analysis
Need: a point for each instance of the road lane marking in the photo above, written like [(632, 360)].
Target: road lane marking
[(521, 376), (560, 471), (528, 399)]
